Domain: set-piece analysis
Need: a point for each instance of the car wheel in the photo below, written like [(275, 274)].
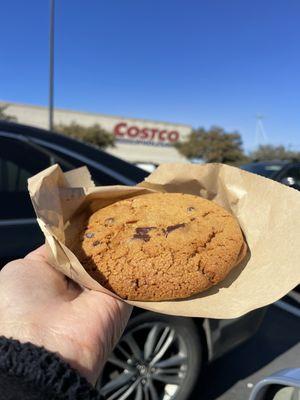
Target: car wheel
[(158, 358)]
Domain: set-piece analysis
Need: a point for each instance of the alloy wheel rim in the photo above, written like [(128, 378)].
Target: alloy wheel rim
[(149, 363)]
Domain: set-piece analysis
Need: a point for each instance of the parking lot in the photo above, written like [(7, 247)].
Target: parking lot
[(274, 347)]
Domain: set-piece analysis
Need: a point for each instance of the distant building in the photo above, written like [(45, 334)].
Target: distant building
[(137, 140)]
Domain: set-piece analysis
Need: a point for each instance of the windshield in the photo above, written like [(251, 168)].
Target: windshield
[(267, 170)]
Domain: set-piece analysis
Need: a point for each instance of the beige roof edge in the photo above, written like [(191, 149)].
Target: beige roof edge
[(3, 102)]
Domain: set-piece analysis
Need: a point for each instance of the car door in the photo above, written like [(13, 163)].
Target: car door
[(19, 160)]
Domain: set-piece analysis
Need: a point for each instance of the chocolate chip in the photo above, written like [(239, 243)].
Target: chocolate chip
[(134, 283), (89, 235), (144, 229), (145, 238), (96, 242), (191, 209), (172, 228), (142, 233)]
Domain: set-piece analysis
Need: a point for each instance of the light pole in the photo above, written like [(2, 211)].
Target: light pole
[(51, 64), (261, 136)]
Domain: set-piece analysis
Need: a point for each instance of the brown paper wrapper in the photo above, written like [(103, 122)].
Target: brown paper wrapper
[(266, 210)]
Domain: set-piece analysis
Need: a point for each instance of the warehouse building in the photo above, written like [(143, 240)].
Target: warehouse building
[(138, 141)]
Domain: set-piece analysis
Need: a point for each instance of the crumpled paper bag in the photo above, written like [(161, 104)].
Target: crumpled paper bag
[(268, 213)]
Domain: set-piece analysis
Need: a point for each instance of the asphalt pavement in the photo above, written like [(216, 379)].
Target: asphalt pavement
[(275, 346)]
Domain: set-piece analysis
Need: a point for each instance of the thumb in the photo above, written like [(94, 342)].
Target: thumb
[(39, 254)]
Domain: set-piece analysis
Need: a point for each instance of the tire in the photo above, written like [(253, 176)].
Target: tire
[(158, 358)]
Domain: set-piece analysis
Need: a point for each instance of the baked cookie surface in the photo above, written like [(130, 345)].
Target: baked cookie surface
[(160, 246)]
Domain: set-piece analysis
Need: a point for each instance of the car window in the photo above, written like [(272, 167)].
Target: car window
[(292, 172), (98, 178), (267, 170), (18, 162)]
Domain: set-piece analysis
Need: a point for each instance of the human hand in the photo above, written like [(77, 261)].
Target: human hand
[(40, 305)]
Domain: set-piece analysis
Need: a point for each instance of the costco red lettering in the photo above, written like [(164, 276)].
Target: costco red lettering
[(173, 136), (144, 134), (148, 134), (162, 135), (117, 130), (133, 131), (154, 131)]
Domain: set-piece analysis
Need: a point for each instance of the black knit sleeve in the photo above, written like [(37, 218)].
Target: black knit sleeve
[(29, 372)]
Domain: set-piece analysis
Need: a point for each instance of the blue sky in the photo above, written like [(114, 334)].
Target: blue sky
[(200, 62)]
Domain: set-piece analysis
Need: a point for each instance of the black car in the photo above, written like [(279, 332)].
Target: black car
[(159, 357), (24, 151), (286, 172)]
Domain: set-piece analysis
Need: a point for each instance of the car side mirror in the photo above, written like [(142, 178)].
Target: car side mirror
[(290, 181), (284, 385)]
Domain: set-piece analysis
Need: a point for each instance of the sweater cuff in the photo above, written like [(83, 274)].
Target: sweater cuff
[(44, 370)]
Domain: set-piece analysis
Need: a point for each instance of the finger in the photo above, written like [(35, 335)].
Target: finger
[(74, 290), (109, 311), (105, 318), (34, 268), (38, 254)]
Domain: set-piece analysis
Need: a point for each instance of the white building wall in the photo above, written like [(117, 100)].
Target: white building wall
[(131, 143)]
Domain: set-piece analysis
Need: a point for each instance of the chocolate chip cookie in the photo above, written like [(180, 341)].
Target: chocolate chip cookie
[(160, 246)]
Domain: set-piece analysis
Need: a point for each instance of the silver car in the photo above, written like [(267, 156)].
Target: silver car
[(284, 385)]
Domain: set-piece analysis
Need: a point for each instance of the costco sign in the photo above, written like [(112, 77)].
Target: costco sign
[(146, 135)]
